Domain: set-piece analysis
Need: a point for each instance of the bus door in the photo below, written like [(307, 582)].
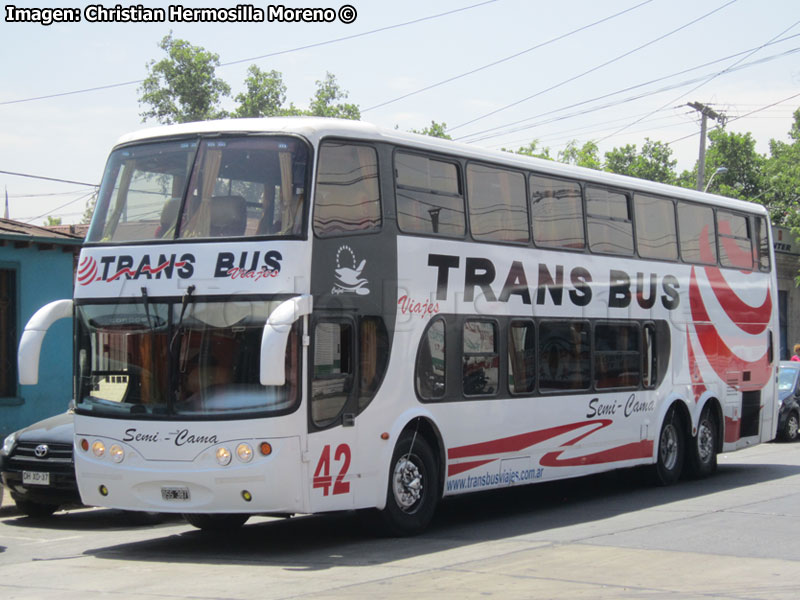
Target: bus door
[(332, 409)]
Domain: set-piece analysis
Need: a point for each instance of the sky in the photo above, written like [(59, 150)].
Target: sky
[(499, 73)]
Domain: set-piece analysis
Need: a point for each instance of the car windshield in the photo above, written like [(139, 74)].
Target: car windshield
[(194, 359), (202, 188), (786, 378)]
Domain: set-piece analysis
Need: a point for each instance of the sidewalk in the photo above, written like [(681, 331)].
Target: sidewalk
[(8, 507)]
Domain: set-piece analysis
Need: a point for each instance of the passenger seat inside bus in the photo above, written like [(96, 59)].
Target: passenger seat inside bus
[(228, 216)]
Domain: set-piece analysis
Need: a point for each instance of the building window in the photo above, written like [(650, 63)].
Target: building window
[(8, 333)]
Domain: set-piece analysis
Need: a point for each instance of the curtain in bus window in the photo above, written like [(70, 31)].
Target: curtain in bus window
[(347, 195), (656, 236), (497, 207), (556, 213), (564, 355), (735, 245), (199, 209), (521, 357), (373, 352), (697, 235), (617, 362), (762, 237), (429, 196), (608, 222)]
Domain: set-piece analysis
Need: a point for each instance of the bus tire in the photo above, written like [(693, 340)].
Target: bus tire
[(671, 449), (703, 447), (216, 522), (412, 493)]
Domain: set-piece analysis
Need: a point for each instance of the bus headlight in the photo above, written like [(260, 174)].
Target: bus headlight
[(223, 456), (116, 453), (98, 448), (244, 452)]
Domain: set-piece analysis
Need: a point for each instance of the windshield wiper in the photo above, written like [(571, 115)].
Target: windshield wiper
[(187, 296)]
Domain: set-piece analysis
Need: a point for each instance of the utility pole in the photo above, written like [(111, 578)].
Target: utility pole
[(706, 112)]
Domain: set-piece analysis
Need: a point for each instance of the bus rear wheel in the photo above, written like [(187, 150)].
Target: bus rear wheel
[(671, 449), (412, 493), (216, 522), (703, 449)]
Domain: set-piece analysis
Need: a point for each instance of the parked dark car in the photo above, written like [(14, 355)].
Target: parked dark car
[(789, 398), (37, 467)]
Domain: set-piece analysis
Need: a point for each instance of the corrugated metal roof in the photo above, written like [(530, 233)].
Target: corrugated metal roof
[(10, 229)]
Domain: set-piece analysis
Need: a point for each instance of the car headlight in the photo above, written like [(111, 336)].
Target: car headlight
[(9, 443)]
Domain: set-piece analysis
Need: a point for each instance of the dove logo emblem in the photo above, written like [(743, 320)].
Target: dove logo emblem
[(348, 273)]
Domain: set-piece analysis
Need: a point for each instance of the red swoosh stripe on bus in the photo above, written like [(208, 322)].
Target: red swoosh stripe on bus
[(750, 319), (642, 449), (719, 355), (698, 385), (515, 443)]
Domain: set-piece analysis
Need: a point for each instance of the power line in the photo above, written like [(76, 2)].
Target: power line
[(269, 55), (622, 101), (49, 178), (507, 58), (710, 79), (593, 69)]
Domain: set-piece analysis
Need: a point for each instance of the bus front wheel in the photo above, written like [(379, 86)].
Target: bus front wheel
[(412, 493), (671, 449)]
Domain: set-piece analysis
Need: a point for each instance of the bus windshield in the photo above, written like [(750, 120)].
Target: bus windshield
[(188, 359), (227, 187)]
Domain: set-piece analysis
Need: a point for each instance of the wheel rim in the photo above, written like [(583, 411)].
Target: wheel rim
[(668, 448), (705, 441), (407, 483), (792, 427)]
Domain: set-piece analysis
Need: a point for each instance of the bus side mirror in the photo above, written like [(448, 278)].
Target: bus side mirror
[(272, 370), (30, 344)]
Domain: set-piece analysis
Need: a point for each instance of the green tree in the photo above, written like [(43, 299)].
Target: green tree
[(52, 221), (654, 162), (326, 101), (737, 153), (438, 130), (533, 150), (182, 87), (264, 95), (587, 155), (782, 179), (88, 212)]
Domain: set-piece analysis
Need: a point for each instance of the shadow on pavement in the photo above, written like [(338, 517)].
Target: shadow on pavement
[(325, 541)]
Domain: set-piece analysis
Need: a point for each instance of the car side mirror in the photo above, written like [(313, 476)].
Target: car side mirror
[(30, 344)]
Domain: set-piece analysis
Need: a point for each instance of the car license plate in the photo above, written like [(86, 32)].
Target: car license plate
[(35, 478), (170, 494)]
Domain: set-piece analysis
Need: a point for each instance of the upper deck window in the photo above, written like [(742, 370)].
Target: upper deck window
[(347, 196), (556, 213), (429, 196), (202, 188), (497, 206), (609, 222)]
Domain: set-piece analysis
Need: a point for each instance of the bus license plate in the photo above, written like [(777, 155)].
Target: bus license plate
[(35, 478), (170, 494)]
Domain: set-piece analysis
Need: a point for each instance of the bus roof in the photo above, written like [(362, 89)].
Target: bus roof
[(316, 128)]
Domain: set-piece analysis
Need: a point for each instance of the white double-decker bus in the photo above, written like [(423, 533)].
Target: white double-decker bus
[(283, 316)]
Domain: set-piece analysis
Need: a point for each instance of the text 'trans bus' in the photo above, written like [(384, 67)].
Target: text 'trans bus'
[(283, 316)]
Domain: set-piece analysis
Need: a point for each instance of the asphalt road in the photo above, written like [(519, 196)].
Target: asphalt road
[(733, 536)]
